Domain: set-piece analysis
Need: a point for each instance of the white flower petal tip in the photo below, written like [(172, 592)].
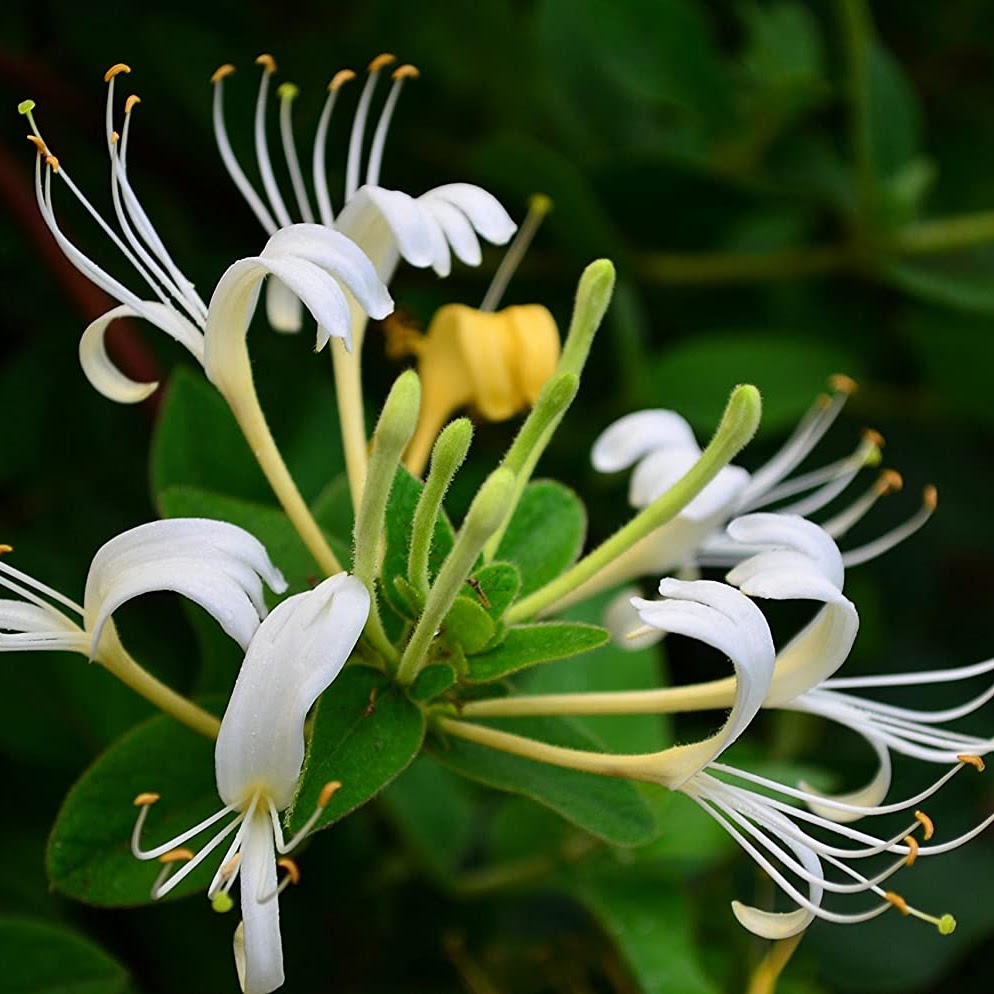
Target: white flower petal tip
[(772, 924), (622, 620), (629, 439), (283, 308), (217, 565)]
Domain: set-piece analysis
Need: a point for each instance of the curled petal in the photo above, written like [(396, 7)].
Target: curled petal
[(788, 531), (483, 210), (628, 439), (283, 308), (458, 232), (296, 653), (870, 795), (101, 371), (215, 564), (660, 470)]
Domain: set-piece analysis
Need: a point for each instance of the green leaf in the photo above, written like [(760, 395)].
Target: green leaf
[(365, 732), (614, 810), (546, 532), (89, 853), (40, 958), (403, 499), (960, 283), (268, 524), (649, 922), (435, 813), (784, 50), (197, 442), (432, 681), (468, 624), (529, 645), (895, 116), (696, 376), (496, 587)]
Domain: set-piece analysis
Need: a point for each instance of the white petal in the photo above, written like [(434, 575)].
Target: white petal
[(870, 795), (621, 619), (788, 531), (296, 653), (259, 948), (483, 210), (101, 371), (214, 563), (722, 617), (283, 308), (628, 439), (20, 616), (457, 230), (660, 470)]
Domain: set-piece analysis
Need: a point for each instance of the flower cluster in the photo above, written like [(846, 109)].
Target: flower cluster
[(435, 611)]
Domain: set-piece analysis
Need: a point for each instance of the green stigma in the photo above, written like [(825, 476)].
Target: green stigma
[(946, 925), (25, 107), (223, 903), (287, 91)]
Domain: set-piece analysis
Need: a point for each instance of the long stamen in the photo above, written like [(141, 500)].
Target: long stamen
[(268, 64), (235, 171), (889, 482), (320, 143), (145, 801), (230, 862), (864, 553), (34, 584), (292, 877), (286, 94), (910, 678), (946, 924), (383, 125), (169, 861), (359, 123), (176, 879), (328, 791), (538, 206)]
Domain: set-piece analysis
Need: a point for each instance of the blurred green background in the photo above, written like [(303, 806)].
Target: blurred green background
[(788, 190)]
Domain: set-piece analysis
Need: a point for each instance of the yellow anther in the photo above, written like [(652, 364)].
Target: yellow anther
[(889, 482), (975, 761), (131, 103), (143, 799), (540, 203), (823, 401), (912, 843), (6, 548), (52, 163), (176, 856), (328, 791), (292, 870), (873, 437), (898, 902), (38, 144), (229, 868), (926, 824), (25, 107), (406, 72), (841, 383), (222, 72), (116, 70), (287, 91), (222, 902), (114, 138), (382, 60), (340, 78), (267, 62), (930, 497)]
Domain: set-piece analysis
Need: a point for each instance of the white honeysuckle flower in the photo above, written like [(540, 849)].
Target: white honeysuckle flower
[(325, 270), (388, 225), (768, 819), (217, 565), (293, 657), (661, 446)]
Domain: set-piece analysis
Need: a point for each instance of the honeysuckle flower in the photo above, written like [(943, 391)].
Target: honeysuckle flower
[(217, 565), (293, 657), (321, 265), (661, 446)]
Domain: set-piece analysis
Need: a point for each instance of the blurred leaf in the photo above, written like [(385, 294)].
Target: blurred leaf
[(89, 851), (434, 811), (611, 809), (365, 732), (529, 645), (784, 50), (650, 923), (696, 376), (953, 283), (895, 116), (545, 534), (52, 959)]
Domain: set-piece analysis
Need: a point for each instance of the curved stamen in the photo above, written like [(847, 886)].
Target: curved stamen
[(144, 802), (177, 878), (268, 64), (320, 143), (910, 678), (383, 125), (889, 482), (359, 123), (292, 877), (231, 861), (169, 861), (864, 553), (28, 594), (875, 708), (286, 94), (538, 206), (235, 171), (328, 791)]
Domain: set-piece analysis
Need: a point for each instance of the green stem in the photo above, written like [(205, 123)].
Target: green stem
[(484, 516), (348, 395), (738, 425), (697, 268), (446, 458)]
